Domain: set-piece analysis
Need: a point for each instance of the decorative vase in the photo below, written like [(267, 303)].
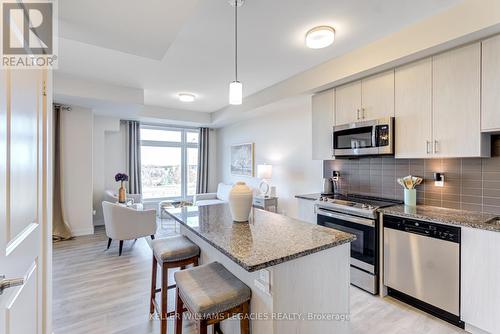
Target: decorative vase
[(122, 194), (240, 202)]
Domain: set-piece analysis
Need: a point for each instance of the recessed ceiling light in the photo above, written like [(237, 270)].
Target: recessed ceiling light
[(186, 97), (320, 37)]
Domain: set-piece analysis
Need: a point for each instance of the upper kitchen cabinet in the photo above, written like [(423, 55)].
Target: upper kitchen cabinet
[(323, 119), (366, 99), (456, 104), (490, 114), (348, 103), (413, 110), (377, 96)]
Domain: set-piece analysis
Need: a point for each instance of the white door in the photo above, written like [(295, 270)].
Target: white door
[(377, 96), (322, 125), (456, 102), (413, 110), (21, 199), (348, 103)]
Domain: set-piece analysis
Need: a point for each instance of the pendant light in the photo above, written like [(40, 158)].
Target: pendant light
[(235, 87)]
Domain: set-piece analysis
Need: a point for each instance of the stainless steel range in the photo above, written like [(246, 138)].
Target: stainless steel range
[(357, 215)]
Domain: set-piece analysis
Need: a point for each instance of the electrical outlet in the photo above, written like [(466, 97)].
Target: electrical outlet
[(264, 276), (263, 282), (262, 286)]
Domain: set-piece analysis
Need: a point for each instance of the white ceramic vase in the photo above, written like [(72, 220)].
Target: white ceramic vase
[(240, 202)]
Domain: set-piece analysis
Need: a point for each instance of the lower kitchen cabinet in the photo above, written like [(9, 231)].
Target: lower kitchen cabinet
[(306, 210), (480, 281)]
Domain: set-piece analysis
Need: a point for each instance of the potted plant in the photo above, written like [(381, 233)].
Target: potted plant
[(121, 177)]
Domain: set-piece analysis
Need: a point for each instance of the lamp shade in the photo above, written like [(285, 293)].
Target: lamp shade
[(235, 93), (265, 171)]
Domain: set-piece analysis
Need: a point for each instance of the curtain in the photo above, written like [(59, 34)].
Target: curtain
[(60, 226), (134, 157), (202, 181)]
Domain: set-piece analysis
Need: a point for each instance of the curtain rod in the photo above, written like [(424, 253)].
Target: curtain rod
[(166, 125)]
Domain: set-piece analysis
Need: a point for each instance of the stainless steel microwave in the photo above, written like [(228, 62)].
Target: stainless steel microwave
[(375, 137)]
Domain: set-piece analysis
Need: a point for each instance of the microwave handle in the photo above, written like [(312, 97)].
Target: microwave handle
[(374, 136)]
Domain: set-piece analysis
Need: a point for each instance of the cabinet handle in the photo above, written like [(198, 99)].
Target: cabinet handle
[(363, 113), (358, 114), (436, 146), (428, 145)]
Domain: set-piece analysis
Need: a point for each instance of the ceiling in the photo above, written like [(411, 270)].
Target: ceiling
[(167, 47)]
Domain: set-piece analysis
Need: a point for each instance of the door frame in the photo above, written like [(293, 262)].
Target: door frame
[(46, 189)]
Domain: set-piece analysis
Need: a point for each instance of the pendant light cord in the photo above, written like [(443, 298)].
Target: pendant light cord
[(236, 39)]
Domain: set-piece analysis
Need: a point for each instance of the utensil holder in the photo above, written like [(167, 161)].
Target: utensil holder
[(410, 197)]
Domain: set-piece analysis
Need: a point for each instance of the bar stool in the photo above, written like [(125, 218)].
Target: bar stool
[(211, 294), (171, 252)]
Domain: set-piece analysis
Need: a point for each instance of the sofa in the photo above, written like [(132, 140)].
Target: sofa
[(221, 196)]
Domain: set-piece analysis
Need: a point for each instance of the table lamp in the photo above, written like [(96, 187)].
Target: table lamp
[(265, 173)]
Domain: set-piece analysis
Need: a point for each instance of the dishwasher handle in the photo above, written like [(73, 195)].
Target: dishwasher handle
[(418, 231)]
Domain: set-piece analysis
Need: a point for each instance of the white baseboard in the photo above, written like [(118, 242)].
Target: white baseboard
[(82, 231), (474, 330)]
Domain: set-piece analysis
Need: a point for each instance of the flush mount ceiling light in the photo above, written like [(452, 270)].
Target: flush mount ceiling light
[(235, 87), (320, 37), (186, 97)]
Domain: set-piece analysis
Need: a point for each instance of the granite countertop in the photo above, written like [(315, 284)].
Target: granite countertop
[(311, 197), (267, 240), (445, 216)]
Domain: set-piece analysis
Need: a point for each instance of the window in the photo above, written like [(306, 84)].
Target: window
[(169, 159)]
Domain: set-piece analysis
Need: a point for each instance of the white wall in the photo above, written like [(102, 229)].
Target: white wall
[(109, 159), (282, 137), (76, 136)]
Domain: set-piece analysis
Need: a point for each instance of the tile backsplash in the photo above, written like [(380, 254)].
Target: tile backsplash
[(470, 183)]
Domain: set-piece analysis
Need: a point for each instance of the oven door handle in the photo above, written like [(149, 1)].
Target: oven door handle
[(352, 219)]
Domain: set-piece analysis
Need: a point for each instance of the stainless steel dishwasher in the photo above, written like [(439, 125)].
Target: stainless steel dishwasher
[(422, 266)]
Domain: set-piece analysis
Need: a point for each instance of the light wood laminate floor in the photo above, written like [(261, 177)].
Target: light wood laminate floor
[(95, 291)]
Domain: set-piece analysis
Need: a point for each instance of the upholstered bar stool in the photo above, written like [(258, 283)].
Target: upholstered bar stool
[(171, 252), (211, 294)]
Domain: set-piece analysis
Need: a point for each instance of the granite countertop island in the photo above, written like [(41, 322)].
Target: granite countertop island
[(434, 214), (299, 273), (268, 239)]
